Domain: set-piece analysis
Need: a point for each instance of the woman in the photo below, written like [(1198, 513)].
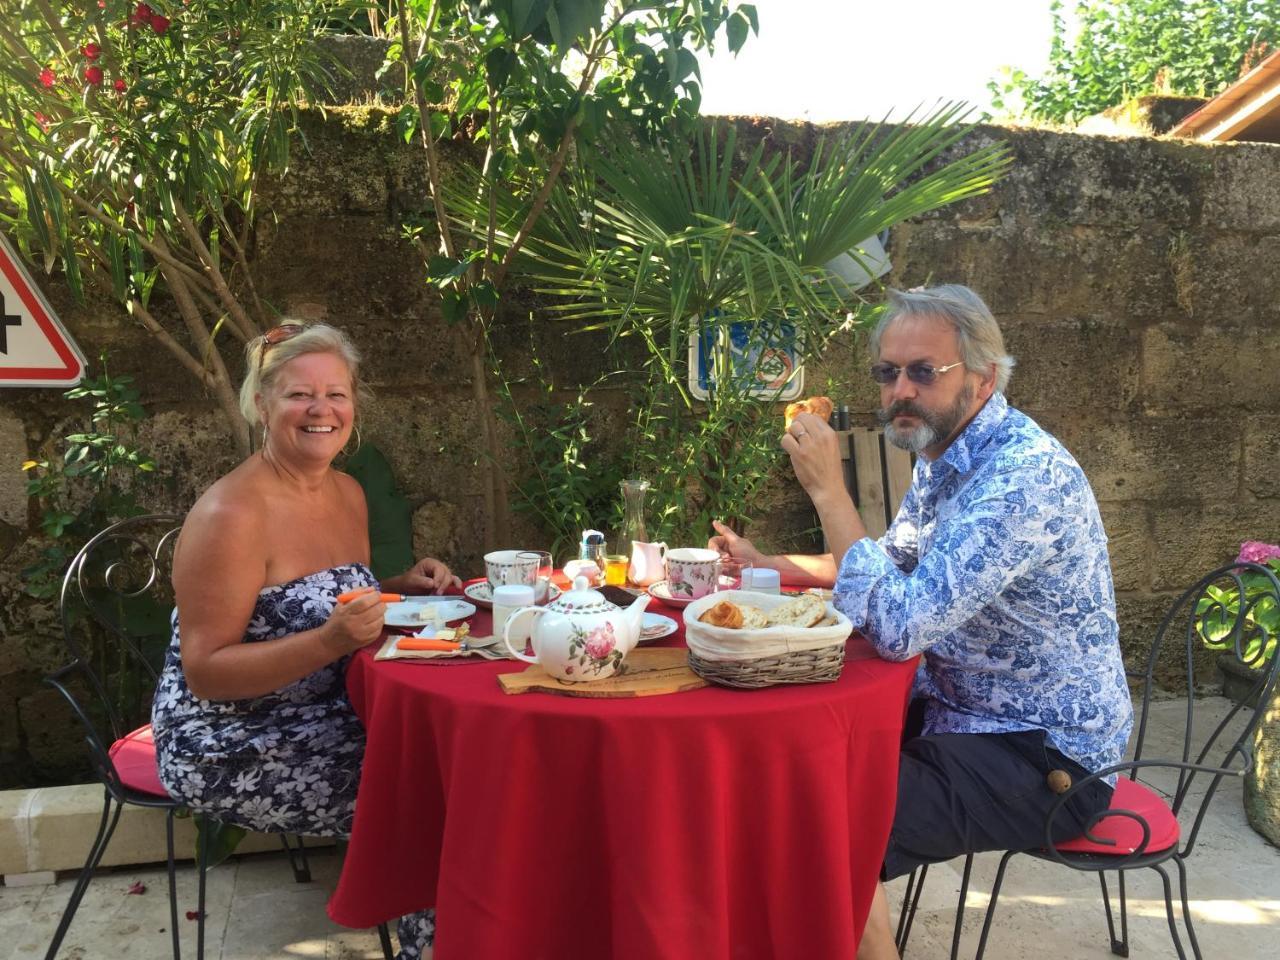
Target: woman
[(251, 719)]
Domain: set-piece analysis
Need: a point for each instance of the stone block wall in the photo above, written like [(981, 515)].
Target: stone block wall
[(1132, 276)]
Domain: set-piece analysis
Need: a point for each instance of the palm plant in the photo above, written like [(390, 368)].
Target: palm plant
[(663, 245)]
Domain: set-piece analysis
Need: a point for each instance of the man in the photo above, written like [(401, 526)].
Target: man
[(995, 570)]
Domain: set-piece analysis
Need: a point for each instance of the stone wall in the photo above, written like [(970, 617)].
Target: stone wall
[(1132, 277)]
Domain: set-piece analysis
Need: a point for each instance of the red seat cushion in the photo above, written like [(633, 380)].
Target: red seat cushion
[(1126, 832), (134, 755)]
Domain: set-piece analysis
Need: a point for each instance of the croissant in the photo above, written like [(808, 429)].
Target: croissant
[(723, 614), (819, 406)]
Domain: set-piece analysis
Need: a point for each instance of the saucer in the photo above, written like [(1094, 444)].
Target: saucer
[(656, 626), (481, 594), (403, 614), (662, 591)]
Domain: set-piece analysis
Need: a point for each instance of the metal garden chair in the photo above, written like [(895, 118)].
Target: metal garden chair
[(1142, 828), (115, 606)]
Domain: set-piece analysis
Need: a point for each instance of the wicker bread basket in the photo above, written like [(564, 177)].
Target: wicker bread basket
[(766, 656)]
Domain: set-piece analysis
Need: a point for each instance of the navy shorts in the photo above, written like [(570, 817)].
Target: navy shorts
[(961, 793)]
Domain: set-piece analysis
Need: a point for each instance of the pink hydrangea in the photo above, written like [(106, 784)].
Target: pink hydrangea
[(1255, 551)]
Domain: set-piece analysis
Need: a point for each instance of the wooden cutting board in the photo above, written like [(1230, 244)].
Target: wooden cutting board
[(649, 673)]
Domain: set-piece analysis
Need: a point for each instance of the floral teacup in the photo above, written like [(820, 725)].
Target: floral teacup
[(691, 572)]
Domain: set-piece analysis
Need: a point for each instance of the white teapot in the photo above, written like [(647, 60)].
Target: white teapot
[(579, 636)]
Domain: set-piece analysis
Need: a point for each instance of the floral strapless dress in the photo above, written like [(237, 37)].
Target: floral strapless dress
[(287, 762)]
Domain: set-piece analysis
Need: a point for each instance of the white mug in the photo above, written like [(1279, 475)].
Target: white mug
[(648, 563)]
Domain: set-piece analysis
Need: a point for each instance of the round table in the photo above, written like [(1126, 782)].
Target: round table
[(709, 824)]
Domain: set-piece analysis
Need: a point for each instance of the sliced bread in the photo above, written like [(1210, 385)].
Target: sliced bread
[(753, 618), (805, 610)]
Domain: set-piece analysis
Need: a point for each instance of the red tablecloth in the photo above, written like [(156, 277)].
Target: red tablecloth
[(703, 825)]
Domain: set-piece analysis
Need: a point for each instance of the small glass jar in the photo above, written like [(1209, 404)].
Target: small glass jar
[(761, 580), (507, 599)]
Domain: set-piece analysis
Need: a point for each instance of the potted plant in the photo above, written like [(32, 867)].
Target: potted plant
[(1248, 643), (1243, 658)]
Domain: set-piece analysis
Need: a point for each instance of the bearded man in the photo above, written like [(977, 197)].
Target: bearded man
[(995, 571)]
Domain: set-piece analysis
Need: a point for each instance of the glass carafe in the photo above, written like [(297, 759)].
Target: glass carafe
[(633, 494)]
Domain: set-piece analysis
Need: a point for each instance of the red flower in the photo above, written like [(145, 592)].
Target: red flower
[(120, 86), (91, 51), (159, 24), (142, 13), (47, 78), (93, 75)]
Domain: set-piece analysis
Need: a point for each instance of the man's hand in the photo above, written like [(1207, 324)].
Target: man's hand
[(815, 457), (428, 575), (729, 544)]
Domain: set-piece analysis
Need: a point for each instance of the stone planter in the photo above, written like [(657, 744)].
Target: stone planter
[(1262, 779), (1237, 679)]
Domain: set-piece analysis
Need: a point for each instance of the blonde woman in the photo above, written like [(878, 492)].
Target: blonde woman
[(251, 719)]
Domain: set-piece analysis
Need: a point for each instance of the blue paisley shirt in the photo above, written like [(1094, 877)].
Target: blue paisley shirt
[(996, 570)]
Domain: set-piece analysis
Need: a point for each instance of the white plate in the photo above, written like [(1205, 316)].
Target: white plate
[(402, 614), (656, 626), (481, 594), (661, 591)]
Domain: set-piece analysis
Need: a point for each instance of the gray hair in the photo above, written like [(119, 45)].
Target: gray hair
[(981, 342), (262, 368)]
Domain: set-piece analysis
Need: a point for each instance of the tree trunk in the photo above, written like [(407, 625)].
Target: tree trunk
[(495, 527)]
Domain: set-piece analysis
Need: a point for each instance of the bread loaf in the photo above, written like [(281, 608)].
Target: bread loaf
[(805, 610), (819, 406)]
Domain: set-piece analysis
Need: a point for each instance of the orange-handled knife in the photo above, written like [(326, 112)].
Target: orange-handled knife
[(354, 594), (419, 643)]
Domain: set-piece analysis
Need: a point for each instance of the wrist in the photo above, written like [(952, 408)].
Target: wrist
[(329, 640), (832, 501)]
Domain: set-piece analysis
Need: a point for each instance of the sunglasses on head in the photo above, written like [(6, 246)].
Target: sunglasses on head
[(286, 331), (921, 373)]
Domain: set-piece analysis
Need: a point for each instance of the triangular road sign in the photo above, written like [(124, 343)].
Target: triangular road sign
[(35, 350)]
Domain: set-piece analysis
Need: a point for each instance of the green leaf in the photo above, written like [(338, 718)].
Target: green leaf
[(498, 65), (738, 28), (572, 20), (484, 295), (454, 306), (407, 121)]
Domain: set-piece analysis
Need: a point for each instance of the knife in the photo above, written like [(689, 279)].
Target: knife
[(386, 597)]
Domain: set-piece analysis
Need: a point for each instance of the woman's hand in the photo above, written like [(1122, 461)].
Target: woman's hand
[(428, 575), (355, 624), (729, 544)]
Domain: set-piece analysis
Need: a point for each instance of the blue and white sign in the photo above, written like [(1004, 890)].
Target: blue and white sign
[(766, 366)]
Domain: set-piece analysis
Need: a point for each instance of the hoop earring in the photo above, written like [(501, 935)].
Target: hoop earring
[(359, 443)]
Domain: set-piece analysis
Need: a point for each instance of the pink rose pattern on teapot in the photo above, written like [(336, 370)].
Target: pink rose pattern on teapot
[(597, 650)]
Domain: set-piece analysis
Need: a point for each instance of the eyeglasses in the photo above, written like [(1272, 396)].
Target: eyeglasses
[(921, 373), (286, 331)]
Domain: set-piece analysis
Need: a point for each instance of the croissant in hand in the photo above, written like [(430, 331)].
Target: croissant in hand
[(820, 407)]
